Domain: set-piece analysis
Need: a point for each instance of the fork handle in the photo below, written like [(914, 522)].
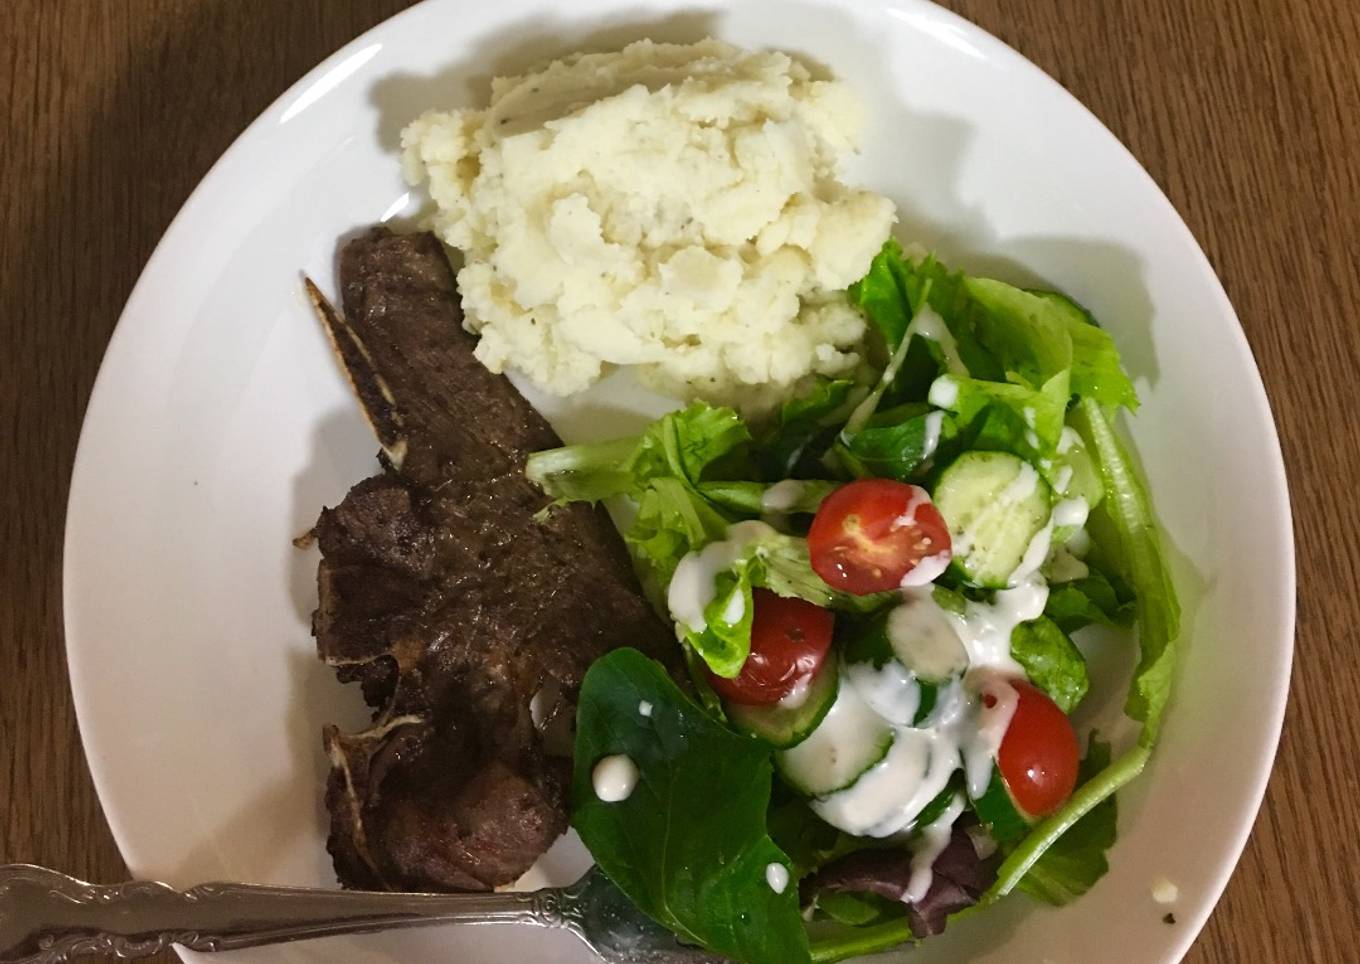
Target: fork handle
[(47, 917)]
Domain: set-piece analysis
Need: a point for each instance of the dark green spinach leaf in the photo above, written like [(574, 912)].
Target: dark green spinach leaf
[(1051, 661), (698, 870)]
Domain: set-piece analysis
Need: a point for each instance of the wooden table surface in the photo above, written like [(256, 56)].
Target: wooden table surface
[(1247, 114)]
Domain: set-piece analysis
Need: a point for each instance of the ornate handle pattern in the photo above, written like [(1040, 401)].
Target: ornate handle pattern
[(47, 917)]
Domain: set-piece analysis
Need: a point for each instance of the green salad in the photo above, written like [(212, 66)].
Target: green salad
[(874, 593)]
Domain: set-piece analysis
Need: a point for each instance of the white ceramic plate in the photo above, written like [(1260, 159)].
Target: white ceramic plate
[(220, 425)]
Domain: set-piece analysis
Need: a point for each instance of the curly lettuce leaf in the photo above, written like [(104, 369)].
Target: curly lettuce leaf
[(724, 641), (671, 521), (703, 878), (776, 562), (1004, 416), (1096, 369), (993, 331), (893, 293), (678, 445), (1024, 332)]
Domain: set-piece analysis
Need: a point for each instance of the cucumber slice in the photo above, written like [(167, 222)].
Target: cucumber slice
[(783, 725), (899, 659), (925, 640), (916, 634), (998, 812), (995, 503), (892, 691), (937, 806), (850, 739)]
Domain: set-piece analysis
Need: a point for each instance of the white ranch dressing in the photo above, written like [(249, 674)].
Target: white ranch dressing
[(614, 778), (963, 730), (1035, 554), (777, 876), (1018, 489), (797, 696), (927, 570), (735, 609), (1021, 487), (981, 746), (1066, 514), (934, 838), (929, 325), (1071, 512), (889, 795), (783, 496), (693, 585), (944, 392), (891, 690), (1063, 566), (644, 708), (934, 421), (986, 628), (836, 748), (924, 639), (1165, 891), (1068, 439)]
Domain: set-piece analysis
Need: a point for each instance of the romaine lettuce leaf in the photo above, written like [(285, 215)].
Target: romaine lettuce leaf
[(1136, 554), (749, 498)]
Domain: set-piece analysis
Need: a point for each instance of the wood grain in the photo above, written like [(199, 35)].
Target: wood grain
[(1246, 113)]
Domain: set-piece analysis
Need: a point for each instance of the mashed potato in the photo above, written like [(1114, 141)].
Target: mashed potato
[(674, 207)]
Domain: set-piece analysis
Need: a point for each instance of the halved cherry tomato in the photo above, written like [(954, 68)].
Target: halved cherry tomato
[(869, 534), (1039, 755), (789, 642)]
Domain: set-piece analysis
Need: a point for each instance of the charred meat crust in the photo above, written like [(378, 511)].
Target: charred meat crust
[(446, 599)]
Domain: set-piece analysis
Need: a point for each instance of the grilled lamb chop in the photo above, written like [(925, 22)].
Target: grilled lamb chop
[(443, 595)]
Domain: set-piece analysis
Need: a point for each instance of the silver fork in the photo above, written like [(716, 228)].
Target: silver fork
[(47, 917)]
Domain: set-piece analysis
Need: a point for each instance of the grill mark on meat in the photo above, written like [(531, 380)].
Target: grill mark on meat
[(444, 597)]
